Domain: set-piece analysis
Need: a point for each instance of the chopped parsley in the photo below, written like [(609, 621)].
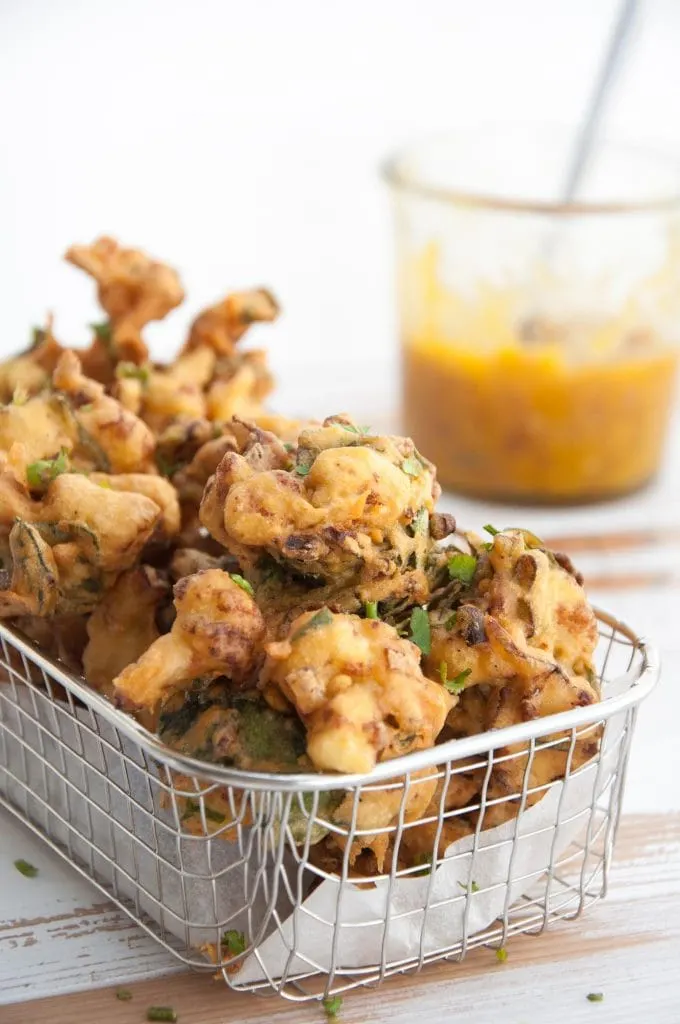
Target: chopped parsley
[(234, 941), (305, 461), (362, 431), (411, 466), (491, 529), (242, 583), (25, 869), (332, 1006), (44, 471), (420, 629), (501, 955), (133, 372), (426, 860), (472, 888), (371, 609), (457, 684), (462, 567), (124, 994), (162, 1013), (420, 521), (320, 618), (595, 997), (102, 331)]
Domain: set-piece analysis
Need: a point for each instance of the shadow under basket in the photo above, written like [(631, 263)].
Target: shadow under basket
[(252, 874)]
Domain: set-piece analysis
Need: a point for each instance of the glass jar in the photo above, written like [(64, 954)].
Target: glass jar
[(539, 337)]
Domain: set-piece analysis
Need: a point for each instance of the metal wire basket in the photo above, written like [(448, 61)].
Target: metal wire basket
[(247, 890)]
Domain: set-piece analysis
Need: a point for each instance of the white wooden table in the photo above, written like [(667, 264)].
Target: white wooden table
[(58, 936)]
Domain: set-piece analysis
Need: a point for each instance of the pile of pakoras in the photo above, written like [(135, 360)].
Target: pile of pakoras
[(270, 594)]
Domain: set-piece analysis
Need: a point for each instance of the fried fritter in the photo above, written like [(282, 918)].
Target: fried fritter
[(349, 510), (109, 437), (27, 374), (132, 288), (160, 491), (70, 546), (219, 327), (358, 688), (122, 626), (216, 632)]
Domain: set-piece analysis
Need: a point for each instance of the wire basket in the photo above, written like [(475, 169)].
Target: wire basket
[(223, 868)]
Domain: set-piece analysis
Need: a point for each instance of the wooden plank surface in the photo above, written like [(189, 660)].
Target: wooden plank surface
[(627, 947)]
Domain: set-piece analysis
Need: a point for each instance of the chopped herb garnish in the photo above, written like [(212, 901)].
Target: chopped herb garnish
[(501, 955), (289, 446), (462, 567), (165, 467), (451, 621), (44, 471), (457, 684), (420, 521), (102, 331), (38, 335), (234, 941), (133, 372), (426, 860), (162, 1013), (420, 629), (332, 1006), (371, 609), (411, 466), (595, 997), (124, 994), (491, 529), (473, 887), (25, 869), (20, 396), (321, 618), (242, 583)]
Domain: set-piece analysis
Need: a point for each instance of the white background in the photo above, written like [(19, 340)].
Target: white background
[(241, 142)]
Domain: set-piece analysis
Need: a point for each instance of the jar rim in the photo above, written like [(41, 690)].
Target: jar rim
[(396, 173)]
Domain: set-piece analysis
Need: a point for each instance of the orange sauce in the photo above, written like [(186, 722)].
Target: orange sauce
[(516, 418)]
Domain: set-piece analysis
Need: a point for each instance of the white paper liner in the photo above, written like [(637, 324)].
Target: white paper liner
[(192, 864)]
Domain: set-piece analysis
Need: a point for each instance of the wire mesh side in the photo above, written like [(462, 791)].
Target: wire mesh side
[(314, 893)]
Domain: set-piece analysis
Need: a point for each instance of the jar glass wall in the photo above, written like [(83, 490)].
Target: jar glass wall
[(539, 339)]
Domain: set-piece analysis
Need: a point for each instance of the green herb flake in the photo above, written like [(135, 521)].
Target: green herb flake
[(350, 427), (102, 331), (42, 472), (332, 1006), (491, 529), (420, 521), (501, 955), (451, 621), (302, 469), (241, 582), (457, 684), (425, 859), (235, 942), (371, 610), (131, 371), (321, 618), (462, 567), (25, 869), (443, 672), (411, 466), (162, 1013), (472, 888), (289, 447), (124, 994), (420, 629), (595, 997)]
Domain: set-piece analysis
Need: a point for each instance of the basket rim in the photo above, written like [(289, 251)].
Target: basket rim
[(636, 684)]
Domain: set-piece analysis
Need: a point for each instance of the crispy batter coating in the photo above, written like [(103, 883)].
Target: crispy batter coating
[(109, 435), (358, 688), (122, 626), (132, 288), (70, 546), (219, 327), (160, 491), (27, 374), (216, 632), (345, 510)]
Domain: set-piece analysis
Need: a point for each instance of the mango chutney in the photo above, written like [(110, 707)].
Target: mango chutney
[(530, 412)]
